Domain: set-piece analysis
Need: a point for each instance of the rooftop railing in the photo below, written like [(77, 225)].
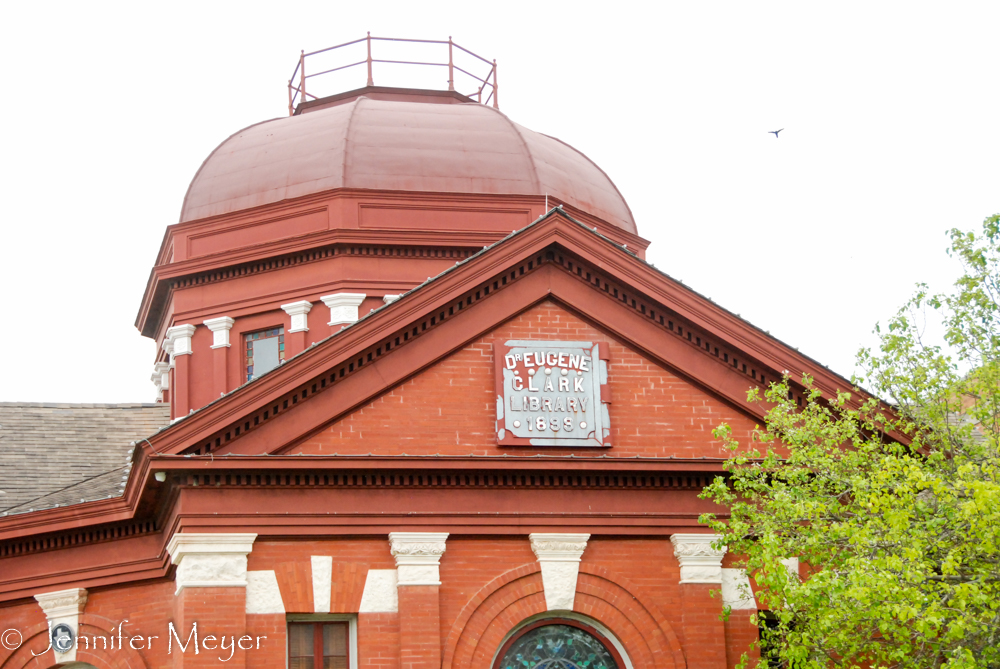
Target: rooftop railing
[(478, 85)]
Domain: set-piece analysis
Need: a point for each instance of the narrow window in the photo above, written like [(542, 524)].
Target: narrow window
[(265, 350), (318, 645)]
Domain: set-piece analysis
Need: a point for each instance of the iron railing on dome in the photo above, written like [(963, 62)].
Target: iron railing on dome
[(297, 92)]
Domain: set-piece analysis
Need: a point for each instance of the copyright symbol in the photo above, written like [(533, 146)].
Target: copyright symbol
[(11, 639)]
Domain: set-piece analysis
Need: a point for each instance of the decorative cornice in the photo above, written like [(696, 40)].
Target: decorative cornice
[(700, 562)]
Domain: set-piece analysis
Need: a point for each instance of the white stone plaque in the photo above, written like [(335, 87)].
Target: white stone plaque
[(552, 393)]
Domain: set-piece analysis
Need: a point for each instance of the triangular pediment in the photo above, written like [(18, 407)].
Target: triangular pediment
[(681, 339), (456, 407)]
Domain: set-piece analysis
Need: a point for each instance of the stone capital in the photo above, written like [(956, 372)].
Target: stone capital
[(220, 328), (418, 555), (210, 560), (180, 337), (343, 307), (62, 603), (299, 311), (558, 547), (700, 563)]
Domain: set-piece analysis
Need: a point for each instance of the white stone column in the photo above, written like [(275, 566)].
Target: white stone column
[(559, 557), (180, 337), (210, 560), (299, 311), (343, 307), (418, 556), (220, 328), (700, 563), (63, 607)]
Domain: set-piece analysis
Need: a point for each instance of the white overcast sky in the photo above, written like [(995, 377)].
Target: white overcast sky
[(891, 114)]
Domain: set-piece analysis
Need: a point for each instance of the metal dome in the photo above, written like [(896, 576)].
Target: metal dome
[(411, 142)]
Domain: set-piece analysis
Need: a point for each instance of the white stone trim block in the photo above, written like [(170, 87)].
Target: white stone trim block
[(180, 337), (418, 555), (299, 311), (700, 563), (220, 328), (792, 565), (389, 299), (736, 592), (64, 606), (379, 595), (322, 577), (343, 307), (210, 560), (160, 378), (263, 594), (559, 557)]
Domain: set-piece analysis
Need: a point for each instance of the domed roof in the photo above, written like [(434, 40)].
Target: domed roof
[(401, 145)]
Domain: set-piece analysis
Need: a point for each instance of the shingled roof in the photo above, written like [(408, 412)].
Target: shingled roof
[(62, 454)]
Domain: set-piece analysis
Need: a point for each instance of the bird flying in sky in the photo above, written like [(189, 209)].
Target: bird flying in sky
[(775, 132)]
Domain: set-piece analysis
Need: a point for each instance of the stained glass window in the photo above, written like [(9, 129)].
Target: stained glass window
[(557, 647), (265, 350)]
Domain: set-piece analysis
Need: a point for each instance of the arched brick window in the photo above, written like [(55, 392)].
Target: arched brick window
[(555, 643)]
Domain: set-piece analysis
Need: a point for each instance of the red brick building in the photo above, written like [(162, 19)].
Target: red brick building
[(423, 404)]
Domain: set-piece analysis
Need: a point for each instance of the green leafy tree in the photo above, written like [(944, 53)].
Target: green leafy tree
[(893, 506)]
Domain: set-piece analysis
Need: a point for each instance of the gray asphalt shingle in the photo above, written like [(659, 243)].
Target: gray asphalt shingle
[(62, 454)]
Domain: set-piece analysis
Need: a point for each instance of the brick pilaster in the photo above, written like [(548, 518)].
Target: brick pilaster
[(701, 572), (211, 582), (418, 555)]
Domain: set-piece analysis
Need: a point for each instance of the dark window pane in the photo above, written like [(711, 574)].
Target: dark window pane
[(300, 642), (335, 640), (300, 662)]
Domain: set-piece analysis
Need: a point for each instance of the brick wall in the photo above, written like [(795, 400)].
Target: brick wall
[(450, 408)]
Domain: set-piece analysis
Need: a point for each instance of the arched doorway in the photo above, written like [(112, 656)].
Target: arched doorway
[(558, 643)]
